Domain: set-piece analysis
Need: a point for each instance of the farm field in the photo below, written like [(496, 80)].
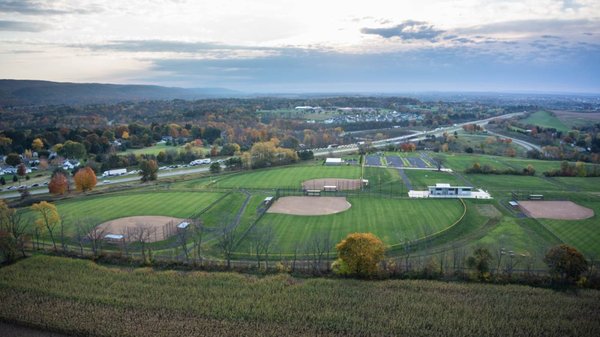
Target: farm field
[(545, 119), (577, 118), (393, 220), (288, 177), (104, 208), (70, 296)]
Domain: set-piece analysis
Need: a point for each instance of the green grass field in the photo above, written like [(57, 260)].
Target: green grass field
[(459, 162), (421, 179), (79, 297), (545, 119), (582, 234), (153, 150), (504, 183), (104, 208), (588, 184), (385, 181), (393, 220), (292, 176)]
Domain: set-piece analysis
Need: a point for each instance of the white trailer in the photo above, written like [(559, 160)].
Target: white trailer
[(115, 172)]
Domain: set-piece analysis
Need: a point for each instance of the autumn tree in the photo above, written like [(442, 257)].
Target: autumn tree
[(566, 263), (13, 232), (59, 184), (71, 149), (480, 261), (85, 179), (230, 149), (510, 152), (37, 144), (148, 170), (21, 170), (359, 254), (48, 218)]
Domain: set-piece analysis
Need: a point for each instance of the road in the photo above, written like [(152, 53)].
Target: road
[(526, 145), (318, 152), (111, 181), (416, 136)]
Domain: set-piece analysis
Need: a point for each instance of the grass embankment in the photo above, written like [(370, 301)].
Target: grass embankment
[(79, 297), (545, 119)]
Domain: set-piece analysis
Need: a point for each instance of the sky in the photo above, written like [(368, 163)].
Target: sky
[(271, 46)]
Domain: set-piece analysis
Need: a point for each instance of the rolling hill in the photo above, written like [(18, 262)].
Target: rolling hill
[(27, 92)]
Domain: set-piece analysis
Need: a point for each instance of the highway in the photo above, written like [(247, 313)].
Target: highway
[(318, 152), (420, 136)]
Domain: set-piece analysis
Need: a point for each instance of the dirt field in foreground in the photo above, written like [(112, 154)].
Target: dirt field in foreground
[(309, 205), (560, 210), (158, 227), (341, 184)]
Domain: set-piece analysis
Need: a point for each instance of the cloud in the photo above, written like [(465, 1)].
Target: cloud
[(28, 7), (533, 26), (571, 4), (159, 46), (22, 26), (432, 68), (408, 30)]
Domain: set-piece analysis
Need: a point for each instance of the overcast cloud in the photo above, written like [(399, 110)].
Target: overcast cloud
[(286, 45)]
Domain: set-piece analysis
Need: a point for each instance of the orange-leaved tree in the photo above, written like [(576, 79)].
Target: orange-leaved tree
[(85, 179), (566, 263), (59, 184), (359, 254)]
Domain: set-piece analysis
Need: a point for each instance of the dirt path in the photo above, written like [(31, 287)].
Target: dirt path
[(405, 179)]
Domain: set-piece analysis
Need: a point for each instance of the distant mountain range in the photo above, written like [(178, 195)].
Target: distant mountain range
[(27, 92)]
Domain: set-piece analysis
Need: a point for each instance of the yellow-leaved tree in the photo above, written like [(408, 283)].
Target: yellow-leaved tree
[(48, 218), (359, 254)]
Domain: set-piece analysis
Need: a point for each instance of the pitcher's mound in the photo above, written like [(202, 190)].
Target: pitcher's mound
[(560, 210), (340, 184), (309, 205)]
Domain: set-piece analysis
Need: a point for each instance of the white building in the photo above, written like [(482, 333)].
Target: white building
[(441, 190), (445, 191), (333, 161)]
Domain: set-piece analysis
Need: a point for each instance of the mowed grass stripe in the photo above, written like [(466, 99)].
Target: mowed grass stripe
[(286, 176), (104, 208), (583, 234), (494, 182), (420, 179), (393, 220)]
